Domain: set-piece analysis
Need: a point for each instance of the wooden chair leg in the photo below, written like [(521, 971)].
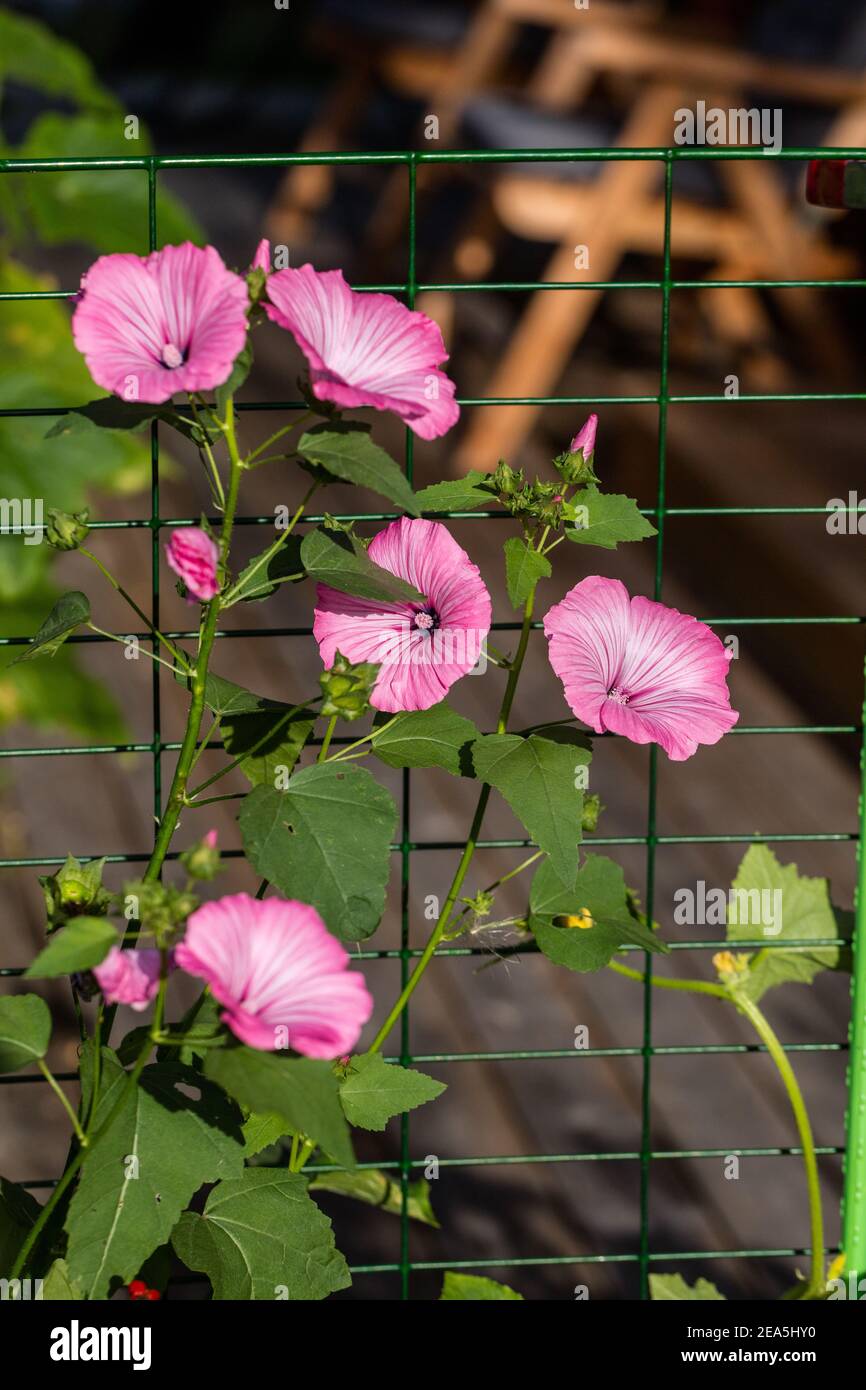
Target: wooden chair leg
[(306, 188), (786, 246), (554, 321)]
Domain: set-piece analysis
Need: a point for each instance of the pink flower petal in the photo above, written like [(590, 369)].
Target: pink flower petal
[(365, 349), (262, 258), (585, 438), (283, 979), (171, 321), (129, 977), (640, 669), (193, 555), (420, 660)]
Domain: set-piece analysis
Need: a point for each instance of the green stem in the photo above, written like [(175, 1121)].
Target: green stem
[(690, 986), (278, 434), (114, 637), (179, 656), (371, 736), (239, 590), (326, 741), (198, 677), (474, 832), (56, 1088), (762, 1027), (218, 491), (293, 1156), (816, 1282)]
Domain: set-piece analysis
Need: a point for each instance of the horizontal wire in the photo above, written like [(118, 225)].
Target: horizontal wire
[(536, 1055)]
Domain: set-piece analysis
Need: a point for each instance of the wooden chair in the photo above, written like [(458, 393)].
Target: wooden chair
[(751, 237)]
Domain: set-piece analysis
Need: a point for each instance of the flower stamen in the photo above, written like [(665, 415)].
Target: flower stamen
[(172, 355)]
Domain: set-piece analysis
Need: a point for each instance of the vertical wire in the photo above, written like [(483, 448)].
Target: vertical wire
[(646, 1083), (405, 850), (854, 1187), (154, 537)]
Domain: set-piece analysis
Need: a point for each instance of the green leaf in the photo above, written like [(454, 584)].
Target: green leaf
[(347, 451), (374, 1091), (262, 1237), (301, 1089), (258, 581), (35, 57), (25, 1030), (672, 1288), (261, 1130), (806, 914), (327, 841), (610, 518), (225, 698), (80, 945), (599, 905), (159, 1149), (112, 413), (377, 1189), (472, 1288), (103, 208), (59, 1287), (18, 1212), (341, 560), (270, 744), (537, 777), (68, 613), (241, 369), (467, 494), (524, 566), (436, 737)]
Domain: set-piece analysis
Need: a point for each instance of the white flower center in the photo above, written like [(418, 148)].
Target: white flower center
[(620, 697), (425, 621), (171, 355)]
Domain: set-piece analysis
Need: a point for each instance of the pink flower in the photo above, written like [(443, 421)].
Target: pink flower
[(637, 668), (262, 258), (423, 648), (171, 321), (129, 977), (210, 839), (280, 974), (365, 349), (193, 555), (585, 438)]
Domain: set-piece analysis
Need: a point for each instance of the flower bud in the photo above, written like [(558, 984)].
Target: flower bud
[(591, 812), (576, 464), (203, 859), (66, 530), (347, 687), (75, 890)]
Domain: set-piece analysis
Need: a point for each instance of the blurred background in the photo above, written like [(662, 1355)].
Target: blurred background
[(491, 75)]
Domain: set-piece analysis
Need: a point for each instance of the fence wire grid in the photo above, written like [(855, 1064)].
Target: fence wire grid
[(404, 1167)]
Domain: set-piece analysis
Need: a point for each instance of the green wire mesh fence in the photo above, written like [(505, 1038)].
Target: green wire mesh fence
[(854, 1199)]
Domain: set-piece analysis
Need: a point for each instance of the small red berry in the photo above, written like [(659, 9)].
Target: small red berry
[(152, 1294), (137, 1289)]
